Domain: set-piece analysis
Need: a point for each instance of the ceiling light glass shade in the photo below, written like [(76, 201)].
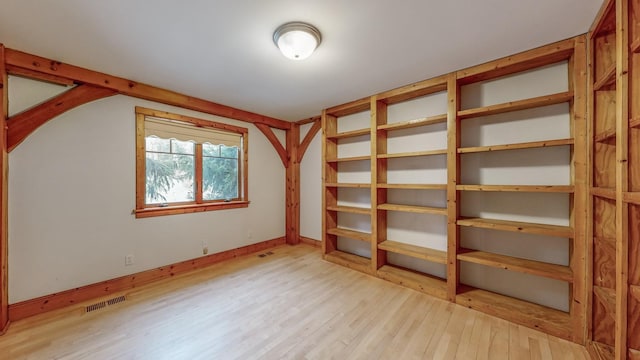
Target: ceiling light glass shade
[(297, 40)]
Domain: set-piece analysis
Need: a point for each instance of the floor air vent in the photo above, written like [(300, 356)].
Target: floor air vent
[(265, 254), (104, 304)]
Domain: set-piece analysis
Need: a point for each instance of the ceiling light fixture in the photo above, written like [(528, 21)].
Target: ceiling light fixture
[(297, 40)]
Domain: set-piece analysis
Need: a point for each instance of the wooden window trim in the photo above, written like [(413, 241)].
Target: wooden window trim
[(143, 210)]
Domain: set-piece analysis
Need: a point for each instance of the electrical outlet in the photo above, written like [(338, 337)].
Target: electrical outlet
[(249, 234), (129, 260), (205, 248)]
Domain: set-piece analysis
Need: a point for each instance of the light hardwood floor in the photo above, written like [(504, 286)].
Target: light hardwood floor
[(289, 305)]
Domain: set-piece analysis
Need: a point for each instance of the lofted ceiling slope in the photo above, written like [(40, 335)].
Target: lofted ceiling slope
[(222, 50)]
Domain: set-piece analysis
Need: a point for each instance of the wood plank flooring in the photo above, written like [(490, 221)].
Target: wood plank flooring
[(288, 305)]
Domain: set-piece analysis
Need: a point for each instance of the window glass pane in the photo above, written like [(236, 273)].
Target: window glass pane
[(229, 152), (170, 178), (210, 150), (219, 178), (154, 143), (182, 147)]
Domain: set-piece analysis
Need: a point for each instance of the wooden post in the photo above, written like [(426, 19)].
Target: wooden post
[(579, 214), (378, 176), (4, 258), (453, 174), (293, 186), (622, 182)]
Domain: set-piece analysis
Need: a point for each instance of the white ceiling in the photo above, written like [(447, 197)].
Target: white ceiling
[(222, 50)]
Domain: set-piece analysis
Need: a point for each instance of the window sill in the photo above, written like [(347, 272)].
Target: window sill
[(187, 209)]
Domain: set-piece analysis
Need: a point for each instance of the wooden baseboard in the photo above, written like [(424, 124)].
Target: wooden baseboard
[(310, 241), (62, 299)]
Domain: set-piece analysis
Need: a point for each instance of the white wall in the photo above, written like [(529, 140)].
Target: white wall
[(72, 190), (311, 187)]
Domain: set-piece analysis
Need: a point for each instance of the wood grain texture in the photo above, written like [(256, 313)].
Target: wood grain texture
[(604, 262), (23, 124), (538, 268), (633, 317), (544, 55), (275, 142), (292, 190), (551, 321), (135, 89), (453, 179), (516, 105), (36, 75), (518, 226), (4, 184), (527, 145), (419, 252), (286, 305), (308, 138), (71, 297)]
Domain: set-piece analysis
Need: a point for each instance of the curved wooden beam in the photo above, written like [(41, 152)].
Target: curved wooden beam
[(273, 139), (23, 124), (308, 138), (131, 88)]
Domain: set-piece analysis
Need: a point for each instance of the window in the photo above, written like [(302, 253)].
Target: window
[(188, 165)]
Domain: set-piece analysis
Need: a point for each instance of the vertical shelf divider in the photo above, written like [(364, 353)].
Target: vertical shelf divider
[(622, 179), (453, 175), (329, 175), (378, 176)]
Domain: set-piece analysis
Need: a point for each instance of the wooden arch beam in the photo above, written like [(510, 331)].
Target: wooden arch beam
[(23, 124), (18, 59), (308, 138), (273, 139)]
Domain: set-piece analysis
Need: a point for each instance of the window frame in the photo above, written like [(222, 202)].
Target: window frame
[(144, 210)]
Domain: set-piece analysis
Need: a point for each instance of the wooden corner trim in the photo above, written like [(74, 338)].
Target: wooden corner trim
[(23, 124), (273, 139), (66, 298)]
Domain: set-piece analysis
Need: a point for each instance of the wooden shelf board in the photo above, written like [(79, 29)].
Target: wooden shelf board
[(607, 193), (351, 234), (526, 145), (551, 321), (635, 46), (351, 261), (350, 209), (631, 197), (634, 122), (605, 136), (517, 105), (349, 108), (519, 188), (353, 158), (348, 134), (427, 284), (413, 209), (608, 79), (413, 154), (419, 252), (633, 354), (607, 298), (538, 268), (517, 226), (414, 186), (431, 120), (348, 185)]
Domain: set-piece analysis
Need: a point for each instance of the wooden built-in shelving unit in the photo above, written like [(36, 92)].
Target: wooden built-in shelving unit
[(438, 197), (615, 181)]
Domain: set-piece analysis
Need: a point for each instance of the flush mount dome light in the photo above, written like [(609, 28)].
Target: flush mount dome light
[(297, 40)]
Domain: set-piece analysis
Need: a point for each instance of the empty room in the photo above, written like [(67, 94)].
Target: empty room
[(320, 179)]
